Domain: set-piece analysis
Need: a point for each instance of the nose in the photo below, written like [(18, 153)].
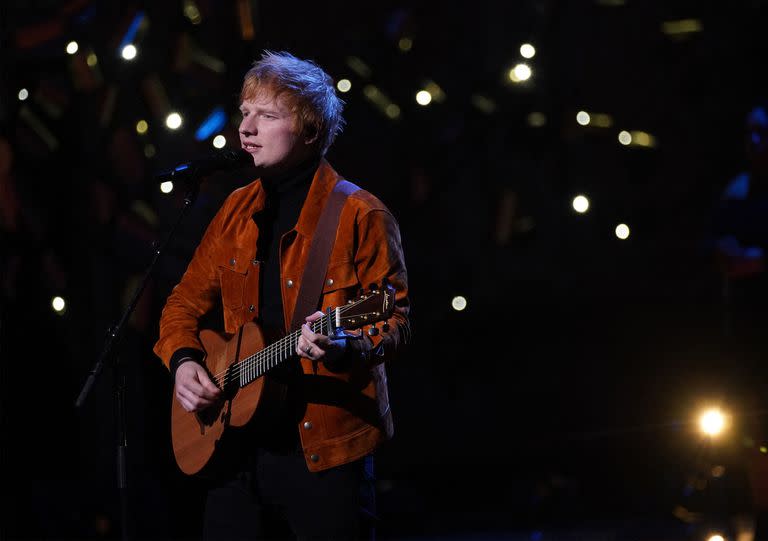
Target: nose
[(248, 126)]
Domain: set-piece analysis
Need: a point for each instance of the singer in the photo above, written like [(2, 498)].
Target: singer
[(303, 465)]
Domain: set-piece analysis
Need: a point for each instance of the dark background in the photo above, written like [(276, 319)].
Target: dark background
[(561, 402)]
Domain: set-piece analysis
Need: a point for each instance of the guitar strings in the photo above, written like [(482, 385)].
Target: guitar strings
[(273, 352), (271, 356)]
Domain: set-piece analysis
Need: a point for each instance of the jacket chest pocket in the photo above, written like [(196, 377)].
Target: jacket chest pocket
[(234, 267), (340, 285)]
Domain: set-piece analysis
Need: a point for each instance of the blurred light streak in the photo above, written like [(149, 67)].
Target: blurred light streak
[(681, 27), (537, 119), (214, 123), (42, 131), (357, 65), (192, 12), (246, 15), (130, 35)]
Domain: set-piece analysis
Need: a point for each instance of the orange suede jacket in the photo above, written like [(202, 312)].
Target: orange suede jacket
[(348, 413)]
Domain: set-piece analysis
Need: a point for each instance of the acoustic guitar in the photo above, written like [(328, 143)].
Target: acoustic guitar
[(239, 366)]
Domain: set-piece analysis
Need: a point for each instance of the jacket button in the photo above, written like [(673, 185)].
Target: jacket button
[(251, 308), (307, 425), (329, 281), (289, 283), (314, 458), (232, 261)]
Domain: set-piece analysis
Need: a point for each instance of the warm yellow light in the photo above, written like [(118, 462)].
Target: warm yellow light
[(392, 111), (622, 231), (166, 187), (219, 141), (459, 303), (582, 117), (537, 119), (129, 52), (423, 97), (712, 422), (344, 85), (149, 151), (625, 138), (173, 121), (23, 94), (527, 50), (92, 59), (716, 537), (142, 127), (58, 304), (580, 204), (643, 139), (405, 44), (72, 47), (520, 73)]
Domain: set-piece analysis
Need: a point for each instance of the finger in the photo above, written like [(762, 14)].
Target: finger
[(314, 317)]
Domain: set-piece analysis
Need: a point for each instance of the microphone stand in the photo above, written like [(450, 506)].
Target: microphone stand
[(108, 355)]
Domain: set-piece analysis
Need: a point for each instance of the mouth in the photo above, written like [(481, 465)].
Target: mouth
[(250, 147)]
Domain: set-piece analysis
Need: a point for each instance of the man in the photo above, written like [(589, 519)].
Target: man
[(307, 465)]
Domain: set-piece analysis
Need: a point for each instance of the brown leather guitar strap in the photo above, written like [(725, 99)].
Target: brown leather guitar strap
[(319, 253)]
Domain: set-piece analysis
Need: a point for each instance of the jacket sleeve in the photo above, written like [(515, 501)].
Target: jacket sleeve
[(379, 258), (195, 295)]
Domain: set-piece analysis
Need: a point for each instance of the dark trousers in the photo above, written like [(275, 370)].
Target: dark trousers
[(279, 498)]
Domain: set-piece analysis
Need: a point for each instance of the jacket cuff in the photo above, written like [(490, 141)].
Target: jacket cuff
[(182, 355)]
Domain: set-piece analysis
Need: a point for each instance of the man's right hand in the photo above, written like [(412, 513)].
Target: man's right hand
[(193, 388)]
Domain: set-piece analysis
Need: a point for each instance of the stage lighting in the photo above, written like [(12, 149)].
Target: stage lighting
[(520, 73), (166, 187), (219, 141), (527, 50), (716, 537), (92, 60), (622, 231), (58, 305), (129, 52), (423, 97), (392, 111), (582, 117), (215, 122), (459, 303), (580, 204), (537, 119), (72, 47), (23, 94), (625, 138), (344, 85), (142, 127), (173, 121), (712, 422), (405, 44)]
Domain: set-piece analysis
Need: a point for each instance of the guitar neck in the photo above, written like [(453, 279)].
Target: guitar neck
[(251, 368)]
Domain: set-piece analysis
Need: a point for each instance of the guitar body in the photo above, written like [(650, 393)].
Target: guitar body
[(197, 435), (210, 440)]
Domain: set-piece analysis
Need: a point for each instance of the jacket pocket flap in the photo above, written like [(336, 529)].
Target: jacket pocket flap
[(339, 276)]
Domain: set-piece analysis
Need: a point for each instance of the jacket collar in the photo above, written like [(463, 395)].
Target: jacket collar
[(323, 182)]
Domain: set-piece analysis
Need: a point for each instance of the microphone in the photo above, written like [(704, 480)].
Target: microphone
[(222, 160)]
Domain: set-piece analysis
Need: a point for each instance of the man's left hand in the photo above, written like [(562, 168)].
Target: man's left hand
[(319, 347)]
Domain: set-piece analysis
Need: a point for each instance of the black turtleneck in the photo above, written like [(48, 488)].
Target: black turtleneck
[(285, 199)]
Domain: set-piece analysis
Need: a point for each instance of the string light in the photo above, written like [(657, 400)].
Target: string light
[(23, 94), (582, 117)]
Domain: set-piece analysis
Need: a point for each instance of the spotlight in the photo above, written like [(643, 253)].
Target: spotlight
[(166, 187), (129, 52), (459, 303), (622, 231), (520, 73), (72, 47), (58, 305), (423, 97), (527, 50), (173, 121), (219, 141), (582, 117), (625, 138), (580, 204), (712, 422), (344, 85), (142, 127), (23, 94)]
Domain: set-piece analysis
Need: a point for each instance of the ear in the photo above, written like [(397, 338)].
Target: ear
[(311, 134)]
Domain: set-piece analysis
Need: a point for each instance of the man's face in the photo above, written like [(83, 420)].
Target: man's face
[(268, 133)]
